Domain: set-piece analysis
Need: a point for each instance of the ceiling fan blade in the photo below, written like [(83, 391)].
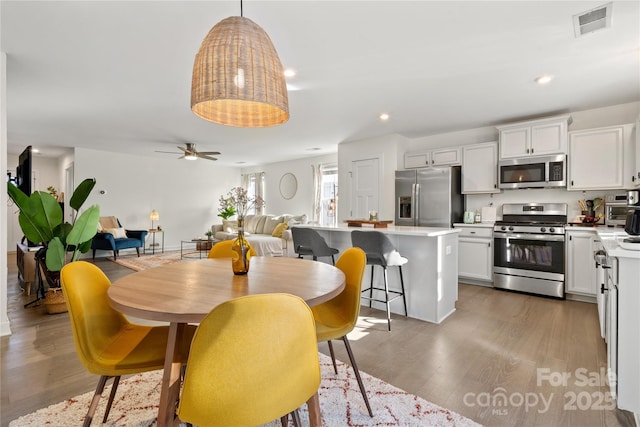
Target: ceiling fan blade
[(183, 149), (167, 152), (209, 153), (206, 157)]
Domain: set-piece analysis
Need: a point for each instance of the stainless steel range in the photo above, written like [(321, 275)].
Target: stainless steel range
[(529, 252)]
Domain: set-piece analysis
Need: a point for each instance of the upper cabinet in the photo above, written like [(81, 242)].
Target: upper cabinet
[(601, 159), (439, 157), (480, 168), (534, 137)]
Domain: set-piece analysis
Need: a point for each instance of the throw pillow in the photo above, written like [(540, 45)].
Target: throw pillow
[(229, 226), (117, 233), (277, 232), (270, 224), (109, 222), (297, 219)]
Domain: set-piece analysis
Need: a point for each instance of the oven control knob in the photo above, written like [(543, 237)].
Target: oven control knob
[(553, 230), (503, 228), (510, 228), (543, 229)]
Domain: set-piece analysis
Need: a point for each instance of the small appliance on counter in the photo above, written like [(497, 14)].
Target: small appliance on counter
[(615, 209), (632, 226)]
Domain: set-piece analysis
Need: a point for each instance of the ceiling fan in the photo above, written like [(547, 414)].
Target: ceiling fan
[(190, 153)]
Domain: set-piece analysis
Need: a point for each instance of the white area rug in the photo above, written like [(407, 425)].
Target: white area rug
[(340, 401)]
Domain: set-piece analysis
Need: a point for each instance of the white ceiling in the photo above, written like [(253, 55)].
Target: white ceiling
[(116, 75)]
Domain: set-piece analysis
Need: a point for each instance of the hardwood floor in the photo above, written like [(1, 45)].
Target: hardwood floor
[(497, 344)]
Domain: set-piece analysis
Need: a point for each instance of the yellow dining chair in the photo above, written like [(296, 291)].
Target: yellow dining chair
[(106, 342), (253, 360), (223, 250), (338, 316)]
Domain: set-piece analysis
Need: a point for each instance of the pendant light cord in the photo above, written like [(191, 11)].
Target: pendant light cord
[(241, 14)]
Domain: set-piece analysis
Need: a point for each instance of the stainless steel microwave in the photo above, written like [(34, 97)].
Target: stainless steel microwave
[(533, 172)]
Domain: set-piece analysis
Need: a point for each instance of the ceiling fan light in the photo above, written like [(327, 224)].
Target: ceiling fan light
[(238, 79), (190, 157)]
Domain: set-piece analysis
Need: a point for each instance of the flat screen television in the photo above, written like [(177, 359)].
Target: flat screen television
[(23, 171)]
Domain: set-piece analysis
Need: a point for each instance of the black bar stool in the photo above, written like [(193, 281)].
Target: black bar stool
[(380, 251)]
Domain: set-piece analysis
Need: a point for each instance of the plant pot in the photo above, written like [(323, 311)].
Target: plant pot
[(54, 301)]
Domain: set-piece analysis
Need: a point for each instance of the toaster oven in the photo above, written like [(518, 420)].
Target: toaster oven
[(615, 209)]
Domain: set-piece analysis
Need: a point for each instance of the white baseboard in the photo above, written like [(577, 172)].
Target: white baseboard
[(5, 328)]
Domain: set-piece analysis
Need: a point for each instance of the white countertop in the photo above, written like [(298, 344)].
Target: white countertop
[(612, 238), (391, 229)]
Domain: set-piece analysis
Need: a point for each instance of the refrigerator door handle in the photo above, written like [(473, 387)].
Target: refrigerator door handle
[(415, 205)]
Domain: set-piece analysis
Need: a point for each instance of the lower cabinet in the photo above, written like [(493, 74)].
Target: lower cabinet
[(475, 252), (581, 269)]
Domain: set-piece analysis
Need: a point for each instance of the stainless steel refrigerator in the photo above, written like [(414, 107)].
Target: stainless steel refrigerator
[(429, 197)]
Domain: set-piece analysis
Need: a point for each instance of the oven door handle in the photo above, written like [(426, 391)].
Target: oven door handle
[(547, 237)]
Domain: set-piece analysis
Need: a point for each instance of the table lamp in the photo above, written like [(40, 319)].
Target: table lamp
[(154, 216)]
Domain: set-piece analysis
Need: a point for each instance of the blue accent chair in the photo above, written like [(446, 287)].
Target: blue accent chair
[(106, 241)]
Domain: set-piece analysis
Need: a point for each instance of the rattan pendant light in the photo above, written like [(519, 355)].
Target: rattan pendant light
[(238, 79)]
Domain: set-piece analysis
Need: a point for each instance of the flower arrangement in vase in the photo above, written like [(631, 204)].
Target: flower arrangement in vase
[(239, 200)]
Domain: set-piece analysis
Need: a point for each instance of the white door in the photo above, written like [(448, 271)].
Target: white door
[(365, 187)]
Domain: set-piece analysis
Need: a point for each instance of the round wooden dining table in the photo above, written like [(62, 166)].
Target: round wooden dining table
[(185, 292)]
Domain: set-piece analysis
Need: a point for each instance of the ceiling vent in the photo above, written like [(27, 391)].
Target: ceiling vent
[(592, 20)]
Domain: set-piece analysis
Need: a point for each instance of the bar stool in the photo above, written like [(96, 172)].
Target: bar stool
[(380, 251), (307, 241)]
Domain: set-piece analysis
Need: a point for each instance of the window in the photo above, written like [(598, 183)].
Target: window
[(327, 194), (254, 184)]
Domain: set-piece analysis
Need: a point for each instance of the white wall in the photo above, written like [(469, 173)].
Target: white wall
[(185, 193), (388, 149), (586, 119), (302, 201), (4, 319)]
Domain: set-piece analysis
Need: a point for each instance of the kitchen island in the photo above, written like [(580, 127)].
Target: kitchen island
[(430, 276), (624, 300)]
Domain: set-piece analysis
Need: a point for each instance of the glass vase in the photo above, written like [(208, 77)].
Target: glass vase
[(241, 251)]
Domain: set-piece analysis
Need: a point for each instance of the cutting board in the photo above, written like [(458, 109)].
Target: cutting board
[(488, 214)]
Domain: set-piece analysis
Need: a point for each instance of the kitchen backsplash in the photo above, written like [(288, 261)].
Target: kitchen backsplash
[(477, 201)]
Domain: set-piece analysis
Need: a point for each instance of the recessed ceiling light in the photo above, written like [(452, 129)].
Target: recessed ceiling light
[(35, 150), (384, 117), (543, 80), (289, 72), (240, 163)]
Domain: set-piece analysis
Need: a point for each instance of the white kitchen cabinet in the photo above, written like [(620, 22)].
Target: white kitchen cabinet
[(417, 159), (480, 168), (601, 159), (534, 137), (440, 157), (475, 252), (581, 270)]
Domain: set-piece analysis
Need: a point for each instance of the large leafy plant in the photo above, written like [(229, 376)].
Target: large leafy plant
[(41, 221)]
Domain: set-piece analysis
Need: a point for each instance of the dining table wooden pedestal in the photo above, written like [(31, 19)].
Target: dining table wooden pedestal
[(185, 292)]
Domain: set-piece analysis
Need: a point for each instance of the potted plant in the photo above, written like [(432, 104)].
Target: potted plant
[(209, 234), (41, 221), (227, 210)]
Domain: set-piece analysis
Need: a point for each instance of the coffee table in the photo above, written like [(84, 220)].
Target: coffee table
[(195, 248)]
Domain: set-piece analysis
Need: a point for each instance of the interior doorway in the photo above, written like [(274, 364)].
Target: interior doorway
[(365, 187)]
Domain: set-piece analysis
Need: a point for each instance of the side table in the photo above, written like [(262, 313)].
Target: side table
[(153, 245)]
